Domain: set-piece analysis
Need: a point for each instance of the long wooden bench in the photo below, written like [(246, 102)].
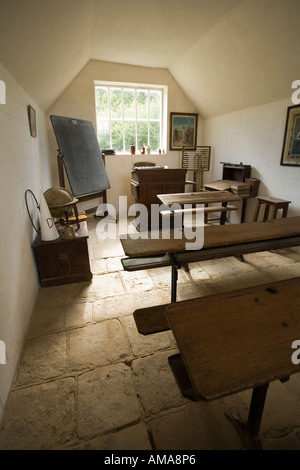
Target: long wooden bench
[(219, 242)]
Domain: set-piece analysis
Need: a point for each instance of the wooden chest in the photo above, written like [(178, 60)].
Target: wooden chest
[(63, 261)]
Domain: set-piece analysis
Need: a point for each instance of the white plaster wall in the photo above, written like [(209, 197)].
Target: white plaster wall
[(78, 101), (23, 165), (254, 136)]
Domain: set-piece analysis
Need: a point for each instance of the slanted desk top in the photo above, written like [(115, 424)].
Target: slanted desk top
[(202, 197), (239, 340), (214, 236)]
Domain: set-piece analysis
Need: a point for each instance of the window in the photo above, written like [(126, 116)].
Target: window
[(129, 115)]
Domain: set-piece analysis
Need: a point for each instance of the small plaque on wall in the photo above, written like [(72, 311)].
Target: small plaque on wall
[(32, 120)]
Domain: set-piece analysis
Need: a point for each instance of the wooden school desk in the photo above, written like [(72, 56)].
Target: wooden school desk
[(203, 197), (236, 341), (219, 241)]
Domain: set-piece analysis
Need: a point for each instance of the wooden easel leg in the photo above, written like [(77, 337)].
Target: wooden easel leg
[(248, 431), (60, 164)]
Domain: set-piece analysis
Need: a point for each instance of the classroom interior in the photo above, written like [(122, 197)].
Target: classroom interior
[(77, 374)]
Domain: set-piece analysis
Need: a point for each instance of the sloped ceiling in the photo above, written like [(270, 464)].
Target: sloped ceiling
[(249, 58), (225, 54)]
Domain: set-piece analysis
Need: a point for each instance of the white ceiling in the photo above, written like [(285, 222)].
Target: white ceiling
[(151, 32), (225, 54)]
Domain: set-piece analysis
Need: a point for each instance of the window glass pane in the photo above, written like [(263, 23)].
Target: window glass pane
[(142, 104), (129, 130), (103, 134), (102, 102), (154, 135), (117, 135), (128, 115), (116, 103), (142, 134), (155, 99), (129, 103)]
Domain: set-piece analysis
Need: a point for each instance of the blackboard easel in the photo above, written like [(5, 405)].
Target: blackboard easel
[(79, 156), (62, 182)]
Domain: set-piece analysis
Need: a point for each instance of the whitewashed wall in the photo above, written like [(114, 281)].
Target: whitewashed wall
[(23, 165), (254, 136)]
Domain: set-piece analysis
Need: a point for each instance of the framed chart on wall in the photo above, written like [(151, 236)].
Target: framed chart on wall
[(291, 142)]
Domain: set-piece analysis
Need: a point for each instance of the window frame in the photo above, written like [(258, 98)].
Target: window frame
[(138, 86)]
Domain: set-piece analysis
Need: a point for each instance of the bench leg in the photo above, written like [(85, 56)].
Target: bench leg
[(266, 213), (249, 431), (256, 213), (285, 211), (274, 213)]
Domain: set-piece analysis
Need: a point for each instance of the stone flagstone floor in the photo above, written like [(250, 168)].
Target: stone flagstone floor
[(88, 380)]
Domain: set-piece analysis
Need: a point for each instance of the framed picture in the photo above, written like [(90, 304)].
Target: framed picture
[(183, 130), (32, 120), (291, 142)]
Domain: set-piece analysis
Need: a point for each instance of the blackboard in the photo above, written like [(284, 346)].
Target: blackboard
[(82, 159)]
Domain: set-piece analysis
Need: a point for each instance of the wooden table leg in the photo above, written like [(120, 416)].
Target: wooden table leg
[(248, 431), (174, 283), (223, 214), (243, 214)]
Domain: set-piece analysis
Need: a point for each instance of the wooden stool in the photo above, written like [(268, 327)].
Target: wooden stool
[(273, 202)]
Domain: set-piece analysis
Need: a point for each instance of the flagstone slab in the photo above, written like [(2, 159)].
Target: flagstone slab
[(43, 358), (156, 384), (107, 400), (40, 417), (97, 344)]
